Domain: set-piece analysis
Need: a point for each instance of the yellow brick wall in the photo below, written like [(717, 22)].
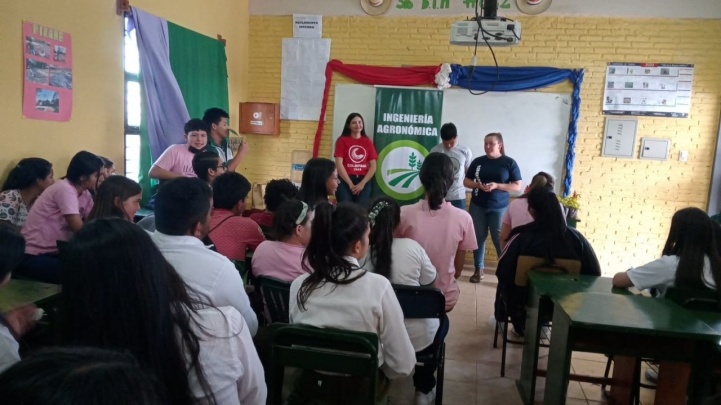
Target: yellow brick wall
[(626, 203)]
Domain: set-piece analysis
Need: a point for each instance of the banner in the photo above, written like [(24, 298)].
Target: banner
[(407, 125), (48, 84)]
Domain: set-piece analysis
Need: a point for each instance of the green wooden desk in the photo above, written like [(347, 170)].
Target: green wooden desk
[(627, 325), (18, 292), (543, 287)]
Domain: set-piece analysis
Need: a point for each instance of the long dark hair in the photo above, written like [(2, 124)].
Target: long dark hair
[(285, 217), (112, 188), (346, 127), (692, 238), (437, 175), (385, 215), (313, 187), (26, 173), (541, 179), (549, 222), (12, 248), (334, 230), (79, 376), (83, 164), (120, 293)]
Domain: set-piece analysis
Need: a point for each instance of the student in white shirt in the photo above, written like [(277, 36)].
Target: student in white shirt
[(404, 261), (182, 220), (16, 322), (120, 293), (690, 258), (338, 293)]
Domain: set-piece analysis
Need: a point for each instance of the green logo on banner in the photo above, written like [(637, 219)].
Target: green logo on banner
[(401, 183), (407, 123)]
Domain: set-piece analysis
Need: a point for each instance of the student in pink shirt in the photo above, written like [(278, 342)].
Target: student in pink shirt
[(444, 231), (283, 257), (59, 212), (177, 160), (517, 213)]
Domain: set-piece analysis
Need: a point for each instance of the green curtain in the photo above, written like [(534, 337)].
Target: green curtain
[(199, 65)]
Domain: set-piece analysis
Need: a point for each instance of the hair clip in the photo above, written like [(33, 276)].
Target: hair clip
[(303, 214), (375, 211)]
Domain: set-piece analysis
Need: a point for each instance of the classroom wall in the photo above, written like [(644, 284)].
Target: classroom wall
[(98, 101), (626, 203)]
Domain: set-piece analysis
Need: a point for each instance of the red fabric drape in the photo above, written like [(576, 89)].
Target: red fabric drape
[(376, 75)]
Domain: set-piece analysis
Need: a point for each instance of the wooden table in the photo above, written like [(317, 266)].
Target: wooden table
[(18, 292), (542, 287), (627, 325)]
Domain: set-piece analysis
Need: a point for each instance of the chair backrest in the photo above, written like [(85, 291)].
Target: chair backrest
[(276, 294), (532, 263), (421, 302), (325, 350), (694, 299)]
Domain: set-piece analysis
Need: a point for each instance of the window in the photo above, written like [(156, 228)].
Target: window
[(133, 110)]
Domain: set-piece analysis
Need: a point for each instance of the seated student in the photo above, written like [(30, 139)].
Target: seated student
[(182, 219), (79, 376), (276, 192), (24, 184), (217, 121), (547, 237), (444, 231), (177, 160), (282, 257), (517, 213), (690, 258), (336, 292), (117, 197), (16, 322), (58, 212), (120, 293), (320, 179), (403, 261), (207, 166), (107, 171), (231, 233)]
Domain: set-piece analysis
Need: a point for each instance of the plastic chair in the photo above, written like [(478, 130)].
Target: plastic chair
[(523, 266), (323, 350), (426, 303), (276, 294)]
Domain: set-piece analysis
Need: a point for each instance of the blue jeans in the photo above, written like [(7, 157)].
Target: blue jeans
[(458, 204), (423, 378), (483, 220), (343, 194), (44, 268)]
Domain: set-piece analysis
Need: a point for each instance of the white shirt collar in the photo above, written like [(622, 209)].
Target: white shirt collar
[(176, 240)]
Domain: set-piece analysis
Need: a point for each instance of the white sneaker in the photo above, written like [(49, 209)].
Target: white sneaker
[(545, 332), (492, 323), (425, 399), (652, 376)]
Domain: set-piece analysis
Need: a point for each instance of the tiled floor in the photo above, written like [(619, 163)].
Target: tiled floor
[(473, 365)]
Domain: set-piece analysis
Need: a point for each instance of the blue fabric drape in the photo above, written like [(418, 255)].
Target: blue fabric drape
[(527, 78)]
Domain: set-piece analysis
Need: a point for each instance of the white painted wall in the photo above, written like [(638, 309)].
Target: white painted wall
[(611, 8)]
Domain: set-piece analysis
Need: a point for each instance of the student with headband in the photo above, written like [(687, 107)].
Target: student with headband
[(282, 258), (337, 292), (404, 261)]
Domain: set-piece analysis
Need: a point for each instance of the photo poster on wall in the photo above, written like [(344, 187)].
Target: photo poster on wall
[(650, 89), (48, 77)]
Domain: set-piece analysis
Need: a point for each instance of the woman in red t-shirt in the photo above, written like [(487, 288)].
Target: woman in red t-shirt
[(355, 158)]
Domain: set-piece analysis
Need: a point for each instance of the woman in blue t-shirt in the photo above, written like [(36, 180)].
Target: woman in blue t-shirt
[(491, 177)]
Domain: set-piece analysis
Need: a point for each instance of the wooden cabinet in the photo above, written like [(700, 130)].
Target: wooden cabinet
[(260, 118)]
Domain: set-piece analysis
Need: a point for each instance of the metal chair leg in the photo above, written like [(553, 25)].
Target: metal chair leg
[(608, 370), (439, 375), (495, 336), (505, 343)]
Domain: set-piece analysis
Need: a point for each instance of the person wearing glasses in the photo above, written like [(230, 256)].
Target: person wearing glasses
[(208, 165)]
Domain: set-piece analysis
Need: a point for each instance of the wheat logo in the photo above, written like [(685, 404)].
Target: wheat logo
[(400, 165)]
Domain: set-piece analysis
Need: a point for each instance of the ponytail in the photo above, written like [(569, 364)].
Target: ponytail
[(334, 231), (437, 178), (385, 215)]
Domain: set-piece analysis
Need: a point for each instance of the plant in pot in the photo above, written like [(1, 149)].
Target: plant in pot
[(571, 204)]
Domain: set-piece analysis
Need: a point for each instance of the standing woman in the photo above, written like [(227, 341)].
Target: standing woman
[(355, 157), (24, 184), (491, 177), (58, 213), (320, 179)]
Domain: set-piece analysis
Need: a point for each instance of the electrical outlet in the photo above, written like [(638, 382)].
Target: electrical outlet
[(683, 156)]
